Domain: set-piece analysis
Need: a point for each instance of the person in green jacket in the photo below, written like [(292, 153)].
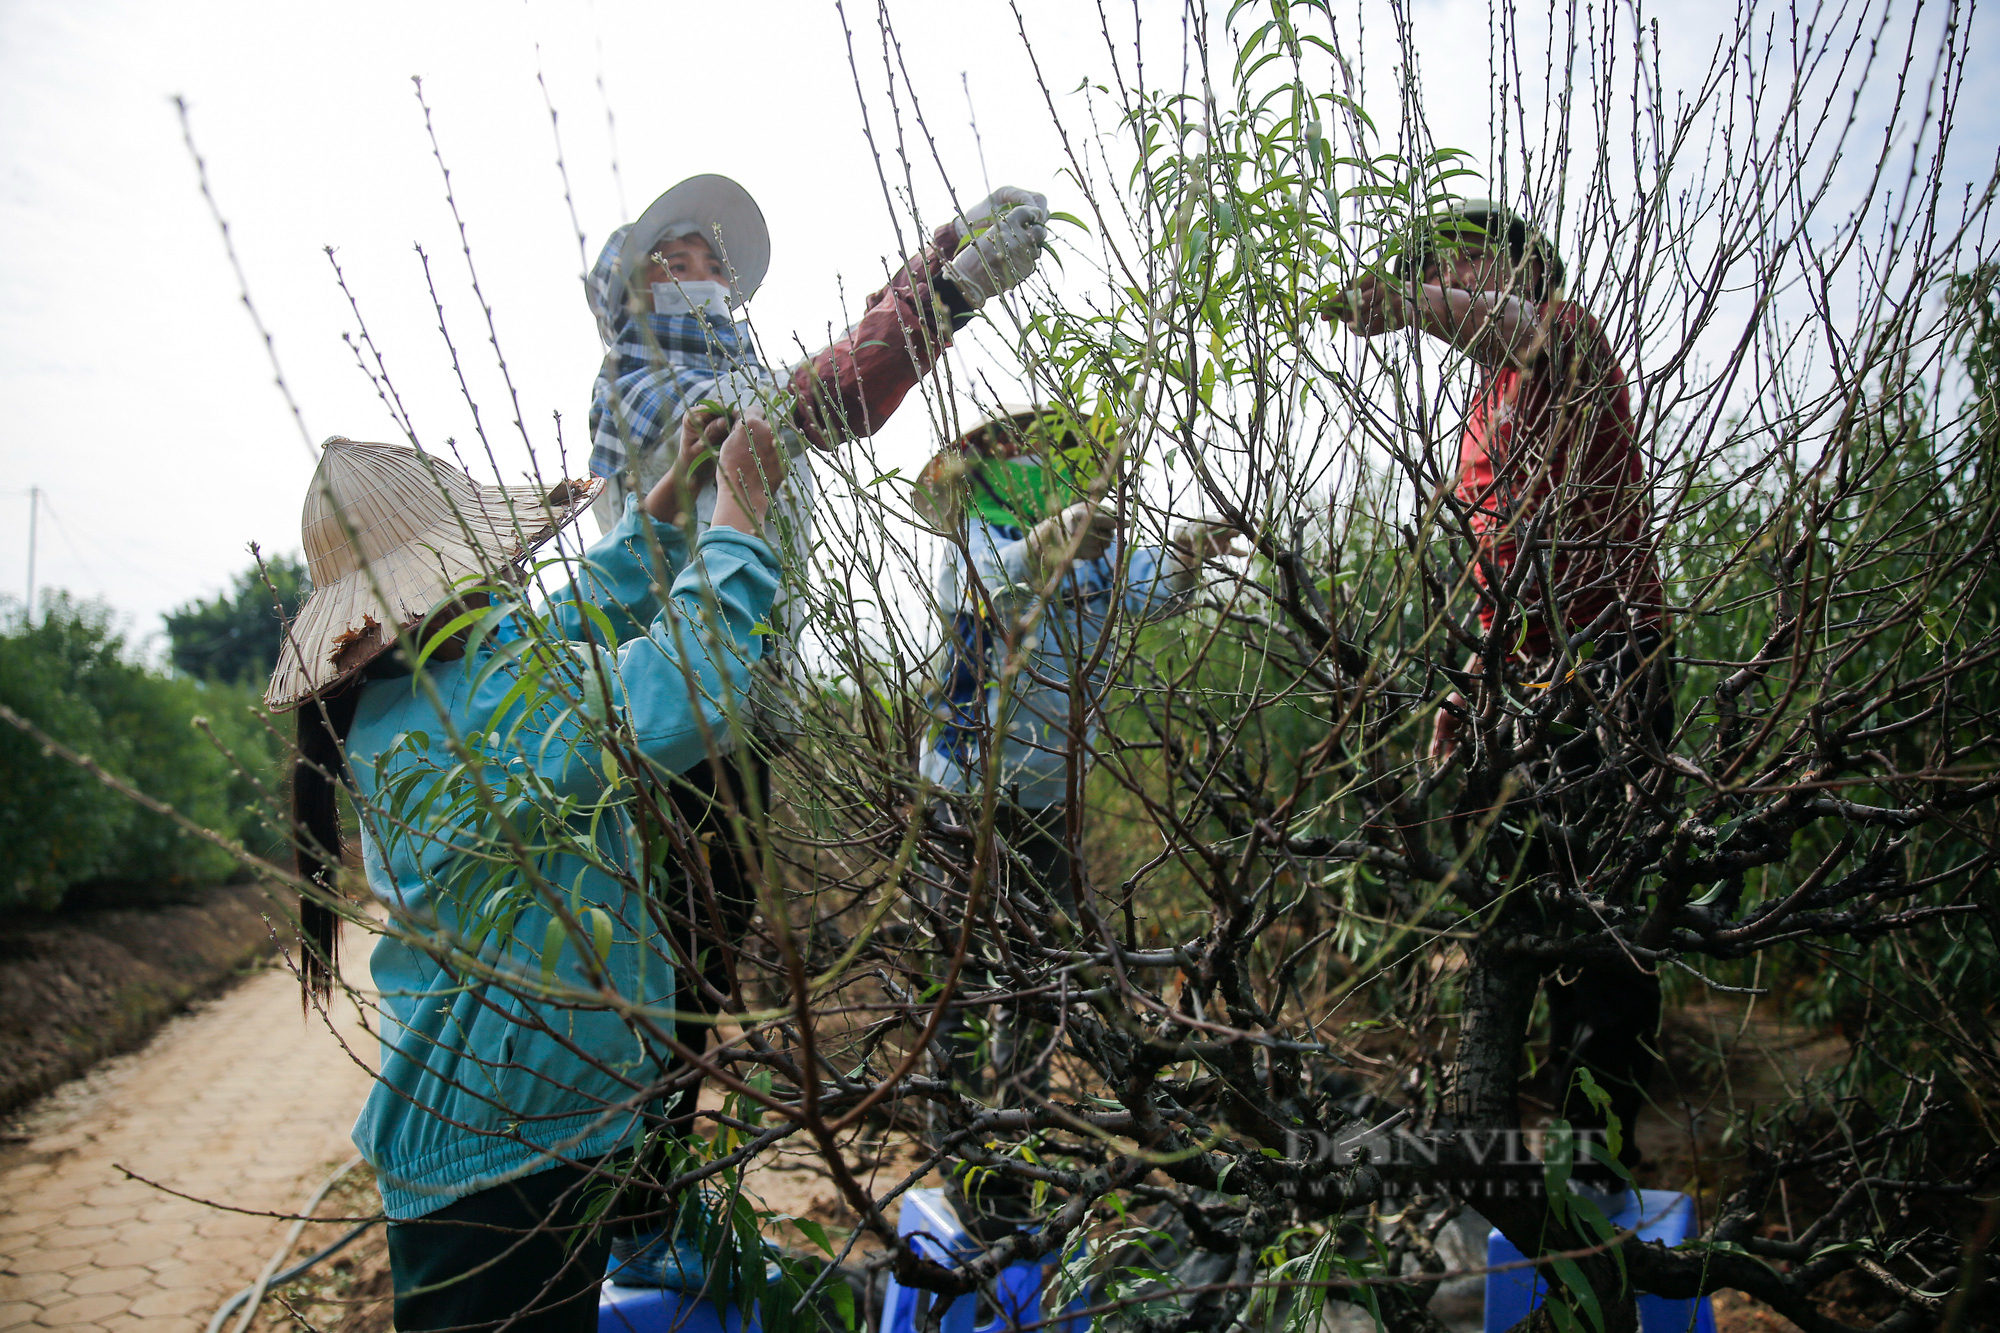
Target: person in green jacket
[(525, 986)]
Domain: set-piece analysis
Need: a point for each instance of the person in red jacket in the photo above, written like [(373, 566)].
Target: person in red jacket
[(1549, 466)]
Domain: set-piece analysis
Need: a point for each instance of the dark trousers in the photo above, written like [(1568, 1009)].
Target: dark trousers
[(519, 1257), (1604, 1016), (1040, 863), (1034, 874), (1000, 1056), (1038, 874), (716, 923)]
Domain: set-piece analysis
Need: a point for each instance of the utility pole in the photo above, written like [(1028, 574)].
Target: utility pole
[(34, 507)]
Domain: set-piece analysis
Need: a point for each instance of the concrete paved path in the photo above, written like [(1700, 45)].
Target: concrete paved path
[(241, 1101)]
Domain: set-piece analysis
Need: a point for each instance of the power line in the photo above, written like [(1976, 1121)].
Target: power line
[(69, 540), (76, 536), (34, 512)]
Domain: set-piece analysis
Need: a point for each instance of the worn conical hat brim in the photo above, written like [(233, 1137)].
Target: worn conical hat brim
[(715, 205), (473, 533), (939, 494)]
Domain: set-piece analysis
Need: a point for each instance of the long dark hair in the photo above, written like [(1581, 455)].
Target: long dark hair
[(316, 778)]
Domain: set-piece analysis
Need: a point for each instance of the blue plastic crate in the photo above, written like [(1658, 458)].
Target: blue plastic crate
[(642, 1292), (928, 1224), (660, 1310), (1662, 1215)]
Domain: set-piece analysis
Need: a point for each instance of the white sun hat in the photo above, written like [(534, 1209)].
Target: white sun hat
[(710, 206), (390, 533)]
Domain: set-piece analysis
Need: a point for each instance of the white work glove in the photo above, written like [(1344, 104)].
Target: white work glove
[(1203, 539), (1091, 528), (993, 205), (1004, 251)]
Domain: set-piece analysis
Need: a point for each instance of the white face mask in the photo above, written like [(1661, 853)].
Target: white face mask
[(691, 298)]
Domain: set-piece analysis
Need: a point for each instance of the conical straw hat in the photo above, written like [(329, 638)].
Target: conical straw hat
[(390, 533), (943, 489)]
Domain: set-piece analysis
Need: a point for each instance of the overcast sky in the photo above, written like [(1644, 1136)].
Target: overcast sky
[(133, 387)]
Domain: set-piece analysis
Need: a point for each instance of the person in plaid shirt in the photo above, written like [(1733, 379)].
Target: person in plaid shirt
[(679, 372), (663, 291)]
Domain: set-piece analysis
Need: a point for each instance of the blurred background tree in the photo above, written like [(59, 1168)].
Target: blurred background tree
[(198, 744), (233, 636)]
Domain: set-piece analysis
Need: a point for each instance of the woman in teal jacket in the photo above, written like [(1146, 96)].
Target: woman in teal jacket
[(523, 974)]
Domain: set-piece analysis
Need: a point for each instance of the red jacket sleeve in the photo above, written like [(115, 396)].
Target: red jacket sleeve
[(847, 390)]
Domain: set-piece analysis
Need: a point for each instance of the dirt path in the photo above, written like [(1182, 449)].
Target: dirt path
[(240, 1100)]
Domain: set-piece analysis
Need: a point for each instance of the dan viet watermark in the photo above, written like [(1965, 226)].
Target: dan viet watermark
[(1471, 1163)]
